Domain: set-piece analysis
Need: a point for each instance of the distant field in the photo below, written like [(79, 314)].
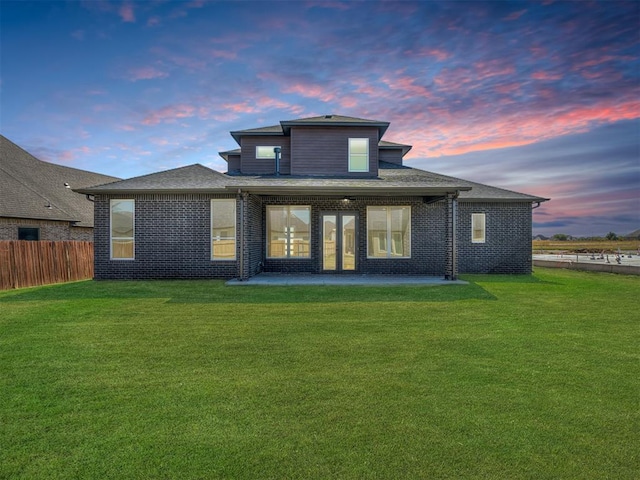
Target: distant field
[(584, 246)]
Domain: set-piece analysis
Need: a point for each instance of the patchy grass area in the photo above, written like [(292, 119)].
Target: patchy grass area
[(508, 377)]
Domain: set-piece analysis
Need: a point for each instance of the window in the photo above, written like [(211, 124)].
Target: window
[(29, 233), (223, 229), (388, 232), (358, 154), (122, 229), (266, 152), (288, 231), (478, 228)]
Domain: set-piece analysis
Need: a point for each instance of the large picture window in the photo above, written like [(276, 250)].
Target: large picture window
[(388, 232), (478, 228), (223, 229), (288, 231), (122, 228), (358, 154)]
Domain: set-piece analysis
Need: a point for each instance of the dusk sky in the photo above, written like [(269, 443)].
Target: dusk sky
[(541, 98)]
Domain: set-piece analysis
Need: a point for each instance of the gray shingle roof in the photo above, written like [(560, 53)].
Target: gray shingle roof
[(28, 186), (476, 191), (324, 120), (192, 178), (392, 145), (392, 179)]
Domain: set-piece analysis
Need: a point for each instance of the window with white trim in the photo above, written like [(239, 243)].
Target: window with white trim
[(223, 229), (358, 154), (288, 231), (478, 228), (266, 152), (389, 232), (122, 229)]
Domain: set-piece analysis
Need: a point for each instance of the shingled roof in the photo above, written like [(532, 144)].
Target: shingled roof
[(190, 179), (34, 189), (392, 179), (284, 127)]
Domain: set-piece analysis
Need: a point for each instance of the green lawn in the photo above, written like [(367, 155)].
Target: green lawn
[(507, 377)]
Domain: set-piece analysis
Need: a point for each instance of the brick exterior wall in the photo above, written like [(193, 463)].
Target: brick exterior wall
[(427, 236), (49, 229), (508, 238), (173, 239)]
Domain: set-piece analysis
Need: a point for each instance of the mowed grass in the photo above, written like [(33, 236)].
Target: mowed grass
[(508, 377)]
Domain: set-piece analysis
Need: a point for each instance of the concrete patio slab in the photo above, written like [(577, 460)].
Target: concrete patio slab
[(283, 279)]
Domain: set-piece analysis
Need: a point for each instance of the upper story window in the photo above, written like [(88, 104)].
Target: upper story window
[(122, 229), (358, 154), (478, 228), (267, 152)]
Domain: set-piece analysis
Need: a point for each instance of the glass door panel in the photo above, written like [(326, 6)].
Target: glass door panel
[(348, 242), (339, 241), (329, 240)]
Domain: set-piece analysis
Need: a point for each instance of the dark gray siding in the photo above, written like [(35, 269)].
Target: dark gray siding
[(508, 238), (253, 166), (391, 155), (233, 163), (172, 239), (325, 150)]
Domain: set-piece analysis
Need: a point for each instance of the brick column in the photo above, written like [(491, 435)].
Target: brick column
[(243, 222), (451, 260)]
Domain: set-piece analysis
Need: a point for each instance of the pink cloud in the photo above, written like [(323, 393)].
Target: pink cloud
[(514, 15), (545, 76), (169, 114), (438, 53), (145, 73), (126, 13), (406, 85)]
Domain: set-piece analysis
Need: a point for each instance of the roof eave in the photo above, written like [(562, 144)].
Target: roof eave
[(504, 200), (347, 190), (140, 191), (287, 124)]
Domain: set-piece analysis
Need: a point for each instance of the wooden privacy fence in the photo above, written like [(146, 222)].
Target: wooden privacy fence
[(27, 264)]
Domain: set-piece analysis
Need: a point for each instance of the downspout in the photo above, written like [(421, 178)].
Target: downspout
[(277, 151), (454, 232), (537, 205)]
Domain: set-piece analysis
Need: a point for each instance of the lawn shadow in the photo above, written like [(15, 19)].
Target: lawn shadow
[(214, 291)]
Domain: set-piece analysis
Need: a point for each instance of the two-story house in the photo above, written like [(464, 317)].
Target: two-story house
[(315, 195)]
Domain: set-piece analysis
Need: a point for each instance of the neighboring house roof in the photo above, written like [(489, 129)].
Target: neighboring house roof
[(392, 180), (33, 189), (284, 127)]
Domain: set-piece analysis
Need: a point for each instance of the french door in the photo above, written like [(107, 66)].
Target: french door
[(339, 241)]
